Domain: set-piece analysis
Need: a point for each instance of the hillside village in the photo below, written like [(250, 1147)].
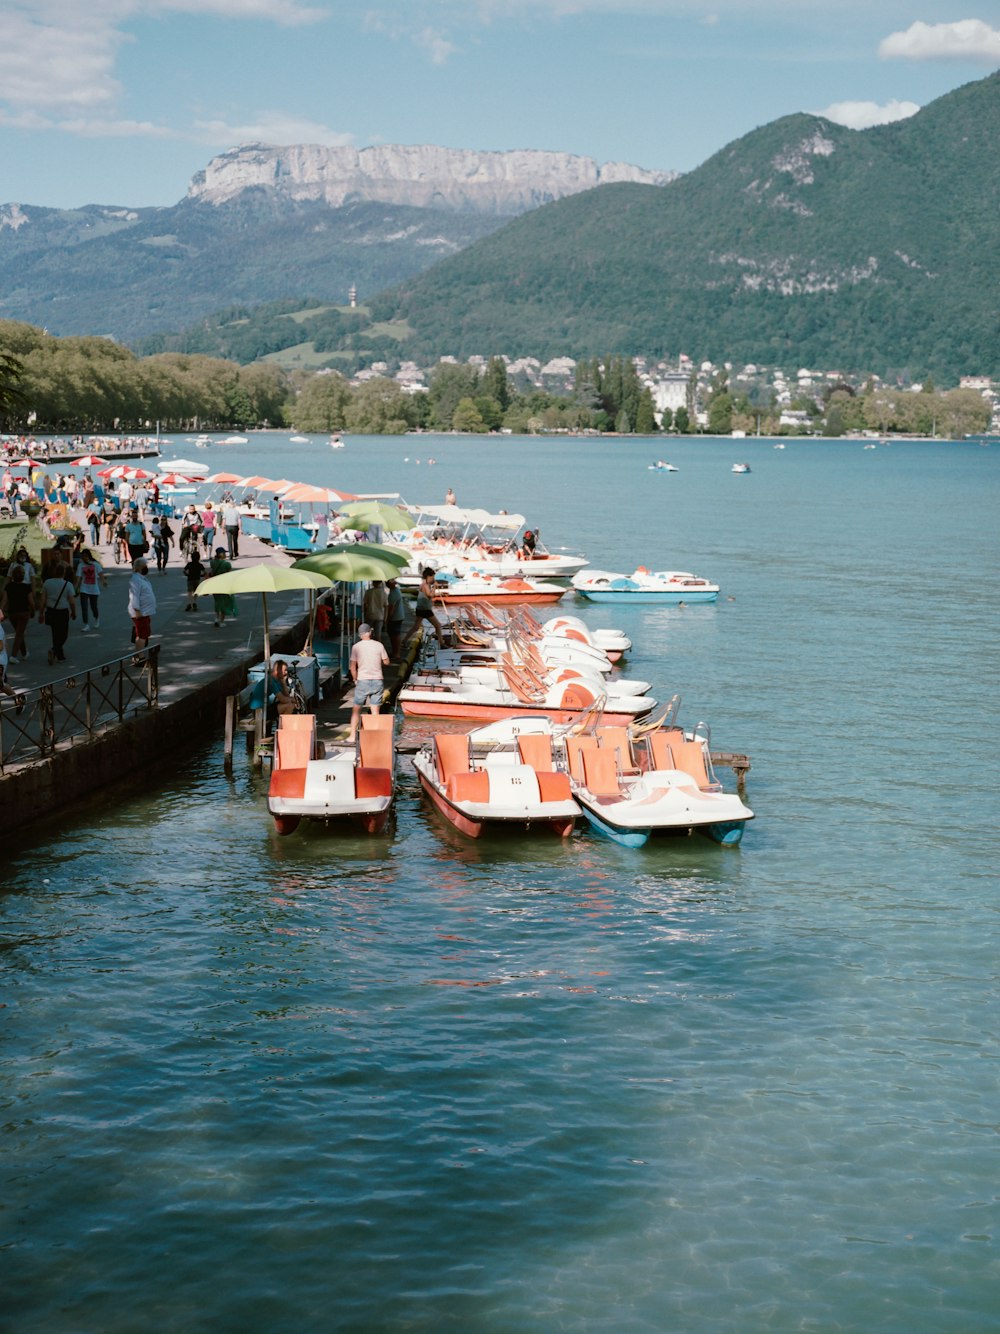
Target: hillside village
[(777, 401)]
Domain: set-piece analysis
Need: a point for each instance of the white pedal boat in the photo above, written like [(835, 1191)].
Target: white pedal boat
[(353, 782), (642, 586), (500, 789), (427, 696)]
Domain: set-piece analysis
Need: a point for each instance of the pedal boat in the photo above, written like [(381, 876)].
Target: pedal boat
[(632, 788), (645, 586), (517, 787), (434, 695), (515, 591), (354, 782)]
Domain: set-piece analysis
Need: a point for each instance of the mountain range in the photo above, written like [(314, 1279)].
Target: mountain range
[(263, 223), (802, 243)]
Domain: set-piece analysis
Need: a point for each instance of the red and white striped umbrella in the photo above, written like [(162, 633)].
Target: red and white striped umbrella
[(89, 461), (305, 494), (123, 470), (176, 479)]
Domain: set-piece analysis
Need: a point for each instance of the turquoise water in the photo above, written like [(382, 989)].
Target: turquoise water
[(421, 1084)]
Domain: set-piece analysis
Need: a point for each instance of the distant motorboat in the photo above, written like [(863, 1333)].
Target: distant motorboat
[(779, 446), (234, 440), (741, 467), (298, 440), (336, 442), (661, 466)]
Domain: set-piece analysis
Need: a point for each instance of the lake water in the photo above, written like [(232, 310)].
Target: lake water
[(421, 1084)]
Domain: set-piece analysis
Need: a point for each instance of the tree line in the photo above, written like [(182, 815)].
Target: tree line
[(87, 384)]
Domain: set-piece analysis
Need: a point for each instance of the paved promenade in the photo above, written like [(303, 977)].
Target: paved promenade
[(191, 649)]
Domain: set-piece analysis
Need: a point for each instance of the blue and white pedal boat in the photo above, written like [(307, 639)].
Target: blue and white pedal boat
[(645, 586)]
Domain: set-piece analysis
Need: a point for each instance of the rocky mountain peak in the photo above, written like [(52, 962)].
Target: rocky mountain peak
[(424, 176)]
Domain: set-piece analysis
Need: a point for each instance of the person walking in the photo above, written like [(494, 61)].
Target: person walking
[(425, 607), (141, 604), (373, 608), (94, 521), (223, 603), (368, 657), (56, 609), (231, 523), (18, 604), (194, 572), (208, 518), (135, 536), (90, 579), (394, 617), (163, 540)]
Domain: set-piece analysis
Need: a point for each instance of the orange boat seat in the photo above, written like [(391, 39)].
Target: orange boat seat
[(535, 749), (468, 787), (451, 750), (553, 786), (600, 773), (575, 748)]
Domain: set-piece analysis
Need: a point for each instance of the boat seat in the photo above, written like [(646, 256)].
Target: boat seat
[(451, 750), (600, 773), (535, 749), (617, 739), (375, 747), (468, 787), (660, 745), (689, 756), (293, 747), (287, 783), (378, 722), (553, 786), (576, 746)]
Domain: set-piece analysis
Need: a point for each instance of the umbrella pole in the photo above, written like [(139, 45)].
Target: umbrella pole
[(267, 634)]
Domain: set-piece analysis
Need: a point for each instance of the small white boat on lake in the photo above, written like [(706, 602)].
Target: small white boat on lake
[(741, 467), (644, 586)]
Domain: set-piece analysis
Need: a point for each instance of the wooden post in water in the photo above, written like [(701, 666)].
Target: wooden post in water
[(232, 708)]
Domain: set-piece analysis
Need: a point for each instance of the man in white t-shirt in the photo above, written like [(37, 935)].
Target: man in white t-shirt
[(368, 657)]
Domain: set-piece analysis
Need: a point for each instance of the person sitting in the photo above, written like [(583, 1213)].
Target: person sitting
[(274, 690)]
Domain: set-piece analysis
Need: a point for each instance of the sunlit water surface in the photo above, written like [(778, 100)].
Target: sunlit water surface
[(416, 1083)]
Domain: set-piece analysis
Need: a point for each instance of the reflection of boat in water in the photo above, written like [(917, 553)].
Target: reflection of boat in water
[(741, 467), (352, 782), (478, 786), (669, 586)]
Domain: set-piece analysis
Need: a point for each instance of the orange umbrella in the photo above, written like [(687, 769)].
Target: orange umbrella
[(276, 487), (256, 482), (303, 493), (229, 479)]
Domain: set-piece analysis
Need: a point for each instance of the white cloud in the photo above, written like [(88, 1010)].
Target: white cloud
[(968, 39), (271, 127), (57, 57), (862, 115), (437, 46)]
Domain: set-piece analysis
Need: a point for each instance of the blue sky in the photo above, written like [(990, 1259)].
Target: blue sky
[(122, 101)]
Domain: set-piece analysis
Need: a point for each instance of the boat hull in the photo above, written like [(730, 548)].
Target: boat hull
[(500, 598), (491, 713), (635, 597)]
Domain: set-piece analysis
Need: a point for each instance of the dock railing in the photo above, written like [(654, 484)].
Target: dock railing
[(77, 707)]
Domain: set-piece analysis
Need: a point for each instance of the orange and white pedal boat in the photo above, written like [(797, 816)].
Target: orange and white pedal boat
[(478, 587), (480, 789), (349, 781)]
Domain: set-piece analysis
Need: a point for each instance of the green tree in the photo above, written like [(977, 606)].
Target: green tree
[(666, 419), (682, 421), (645, 417), (467, 417), (322, 403), (377, 407), (495, 383), (450, 383)]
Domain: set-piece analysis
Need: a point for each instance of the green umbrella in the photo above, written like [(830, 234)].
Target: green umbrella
[(263, 579), (373, 513), (353, 562)]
